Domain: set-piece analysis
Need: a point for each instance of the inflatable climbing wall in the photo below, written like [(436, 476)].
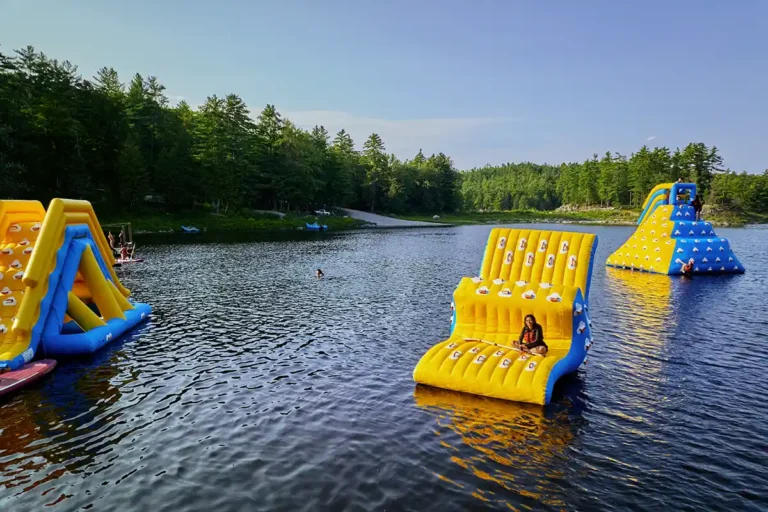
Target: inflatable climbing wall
[(669, 235), (544, 273)]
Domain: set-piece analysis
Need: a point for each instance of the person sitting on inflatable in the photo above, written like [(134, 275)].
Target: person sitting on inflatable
[(531, 338), (123, 253)]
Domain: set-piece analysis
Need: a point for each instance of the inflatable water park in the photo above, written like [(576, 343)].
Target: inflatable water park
[(60, 294), (545, 273), (669, 236)]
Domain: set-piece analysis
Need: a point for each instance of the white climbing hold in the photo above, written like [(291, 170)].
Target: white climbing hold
[(502, 242), (506, 292), (582, 327), (498, 281), (521, 283), (483, 290), (577, 309), (529, 259), (455, 354), (554, 297), (528, 295)]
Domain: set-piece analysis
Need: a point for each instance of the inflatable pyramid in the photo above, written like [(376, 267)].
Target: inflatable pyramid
[(669, 235)]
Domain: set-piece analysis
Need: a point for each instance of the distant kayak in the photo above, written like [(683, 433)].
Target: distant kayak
[(27, 374), (315, 226), (190, 229)]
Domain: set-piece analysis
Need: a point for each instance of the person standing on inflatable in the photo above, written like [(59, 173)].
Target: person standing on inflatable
[(697, 204)]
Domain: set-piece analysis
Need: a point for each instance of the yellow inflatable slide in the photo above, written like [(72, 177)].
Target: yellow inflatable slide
[(669, 235), (58, 289), (544, 273)]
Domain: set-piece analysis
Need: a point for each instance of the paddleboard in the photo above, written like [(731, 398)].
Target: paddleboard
[(130, 260), (12, 381)]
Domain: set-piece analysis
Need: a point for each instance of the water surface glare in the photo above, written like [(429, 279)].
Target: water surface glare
[(257, 387)]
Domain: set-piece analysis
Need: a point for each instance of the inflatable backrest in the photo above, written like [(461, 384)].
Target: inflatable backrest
[(535, 256), (502, 316)]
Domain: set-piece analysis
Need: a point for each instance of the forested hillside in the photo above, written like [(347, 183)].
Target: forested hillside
[(122, 145)]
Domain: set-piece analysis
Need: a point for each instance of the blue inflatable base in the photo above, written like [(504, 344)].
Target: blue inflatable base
[(73, 341)]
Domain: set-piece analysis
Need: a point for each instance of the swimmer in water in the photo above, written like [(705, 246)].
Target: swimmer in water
[(319, 273), (688, 268)]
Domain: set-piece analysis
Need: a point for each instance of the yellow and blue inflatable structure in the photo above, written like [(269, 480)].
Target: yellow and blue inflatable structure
[(58, 289), (669, 235), (544, 273)]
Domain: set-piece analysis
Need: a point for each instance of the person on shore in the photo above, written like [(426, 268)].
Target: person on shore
[(697, 204), (319, 273), (688, 268), (111, 239), (531, 337), (122, 237)]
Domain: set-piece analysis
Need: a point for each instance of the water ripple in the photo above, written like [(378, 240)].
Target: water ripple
[(256, 387)]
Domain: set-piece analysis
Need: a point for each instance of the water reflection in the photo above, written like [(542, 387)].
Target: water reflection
[(503, 446), (48, 430)]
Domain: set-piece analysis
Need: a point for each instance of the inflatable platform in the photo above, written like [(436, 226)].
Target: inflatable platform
[(546, 273), (669, 235), (59, 293)]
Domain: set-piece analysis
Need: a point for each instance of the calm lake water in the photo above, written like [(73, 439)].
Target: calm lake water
[(257, 387)]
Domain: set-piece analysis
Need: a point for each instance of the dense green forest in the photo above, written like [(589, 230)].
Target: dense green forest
[(123, 146), (613, 180)]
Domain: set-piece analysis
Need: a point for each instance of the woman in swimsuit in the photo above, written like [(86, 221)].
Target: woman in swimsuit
[(532, 337)]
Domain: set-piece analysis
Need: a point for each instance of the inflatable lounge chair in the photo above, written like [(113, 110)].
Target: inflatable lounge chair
[(546, 273), (668, 236)]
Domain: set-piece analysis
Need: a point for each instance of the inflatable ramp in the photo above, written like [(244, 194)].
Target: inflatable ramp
[(669, 235), (58, 289), (546, 273)]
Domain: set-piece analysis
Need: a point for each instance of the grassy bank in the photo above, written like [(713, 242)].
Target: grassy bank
[(623, 216), (165, 222)]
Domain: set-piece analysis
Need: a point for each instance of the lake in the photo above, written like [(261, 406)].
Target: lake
[(255, 386)]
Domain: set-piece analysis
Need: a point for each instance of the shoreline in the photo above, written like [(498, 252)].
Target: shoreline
[(170, 224)]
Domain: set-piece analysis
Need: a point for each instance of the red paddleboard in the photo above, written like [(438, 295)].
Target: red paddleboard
[(27, 374)]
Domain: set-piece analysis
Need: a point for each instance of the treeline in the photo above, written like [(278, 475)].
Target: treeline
[(613, 180), (125, 145)]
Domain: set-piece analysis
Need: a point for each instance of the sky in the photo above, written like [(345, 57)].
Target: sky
[(486, 82)]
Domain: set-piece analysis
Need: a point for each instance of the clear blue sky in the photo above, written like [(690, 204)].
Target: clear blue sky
[(484, 82)]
